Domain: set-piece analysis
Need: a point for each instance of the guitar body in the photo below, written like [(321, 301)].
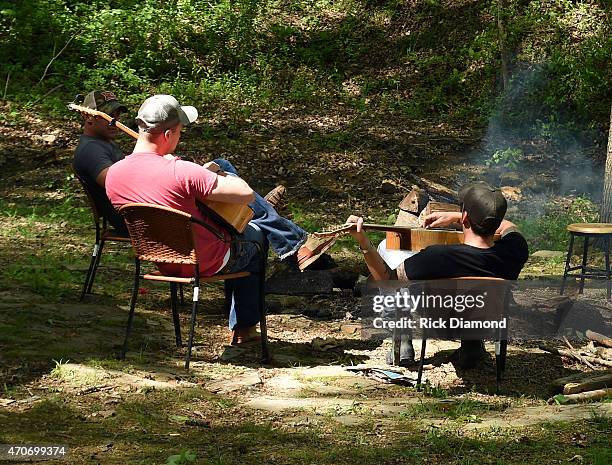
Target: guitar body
[(419, 238), (233, 216)]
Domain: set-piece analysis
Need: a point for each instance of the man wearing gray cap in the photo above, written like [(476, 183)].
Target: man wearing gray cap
[(151, 175), (97, 152), (481, 217)]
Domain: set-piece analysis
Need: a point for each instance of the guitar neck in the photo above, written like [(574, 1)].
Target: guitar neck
[(101, 114)]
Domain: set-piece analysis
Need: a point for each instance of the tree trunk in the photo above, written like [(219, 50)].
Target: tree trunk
[(606, 201), (501, 11)]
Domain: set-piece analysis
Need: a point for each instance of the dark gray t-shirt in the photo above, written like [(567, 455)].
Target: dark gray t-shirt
[(90, 158)]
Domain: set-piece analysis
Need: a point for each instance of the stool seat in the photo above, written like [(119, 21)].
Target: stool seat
[(590, 228)]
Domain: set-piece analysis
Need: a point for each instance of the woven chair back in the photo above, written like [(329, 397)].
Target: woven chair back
[(160, 234)]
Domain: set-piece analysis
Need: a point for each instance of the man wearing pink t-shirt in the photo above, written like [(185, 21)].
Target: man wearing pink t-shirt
[(149, 175)]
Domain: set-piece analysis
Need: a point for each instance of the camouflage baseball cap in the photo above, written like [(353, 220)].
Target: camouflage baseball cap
[(104, 101)]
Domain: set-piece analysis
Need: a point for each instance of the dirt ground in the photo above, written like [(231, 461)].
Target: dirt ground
[(60, 380)]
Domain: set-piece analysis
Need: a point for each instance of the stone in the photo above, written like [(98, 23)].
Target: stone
[(510, 178), (291, 304), (350, 328), (548, 254), (388, 186)]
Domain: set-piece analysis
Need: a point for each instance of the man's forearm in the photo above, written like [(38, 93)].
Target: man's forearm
[(378, 267)]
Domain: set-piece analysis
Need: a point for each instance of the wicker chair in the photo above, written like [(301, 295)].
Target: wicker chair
[(501, 288), (103, 234), (164, 235)]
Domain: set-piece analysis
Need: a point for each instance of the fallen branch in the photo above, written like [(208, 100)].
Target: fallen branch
[(580, 358), (583, 396), (576, 354), (599, 338), (599, 382)]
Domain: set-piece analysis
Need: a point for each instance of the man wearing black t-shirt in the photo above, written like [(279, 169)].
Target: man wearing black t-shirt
[(97, 152), (481, 217)]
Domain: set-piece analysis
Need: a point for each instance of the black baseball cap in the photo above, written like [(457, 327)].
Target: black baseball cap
[(485, 205), (103, 100)]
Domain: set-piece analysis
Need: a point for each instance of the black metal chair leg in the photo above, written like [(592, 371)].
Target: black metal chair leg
[(608, 271), (567, 262), (175, 316), (194, 309), (92, 262), (584, 263), (95, 268), (181, 295), (263, 327), (396, 342), (421, 363), (132, 307)]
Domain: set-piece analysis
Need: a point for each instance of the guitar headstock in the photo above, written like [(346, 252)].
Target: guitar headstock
[(85, 111), (335, 230)]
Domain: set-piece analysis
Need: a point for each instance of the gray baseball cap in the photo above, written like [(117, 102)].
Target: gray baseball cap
[(162, 112)]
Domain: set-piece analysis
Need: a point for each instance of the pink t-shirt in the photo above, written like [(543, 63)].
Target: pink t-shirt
[(171, 182)]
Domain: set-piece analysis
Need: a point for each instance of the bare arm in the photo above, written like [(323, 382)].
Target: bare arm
[(231, 189), (506, 227), (378, 268)]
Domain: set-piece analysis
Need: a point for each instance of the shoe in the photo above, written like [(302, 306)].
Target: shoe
[(275, 196), (312, 249), (406, 353), (469, 355), (244, 335)]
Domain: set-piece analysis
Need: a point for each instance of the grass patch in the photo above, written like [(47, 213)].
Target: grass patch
[(548, 230)]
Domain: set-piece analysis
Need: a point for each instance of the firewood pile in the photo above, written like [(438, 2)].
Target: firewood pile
[(590, 385)]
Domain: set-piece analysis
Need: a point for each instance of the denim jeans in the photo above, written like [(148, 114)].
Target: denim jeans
[(284, 236), (244, 293)]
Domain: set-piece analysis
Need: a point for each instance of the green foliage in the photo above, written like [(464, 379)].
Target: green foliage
[(423, 59), (184, 458), (548, 230), (508, 158)]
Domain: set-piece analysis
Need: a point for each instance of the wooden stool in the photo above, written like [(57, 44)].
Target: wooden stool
[(601, 231)]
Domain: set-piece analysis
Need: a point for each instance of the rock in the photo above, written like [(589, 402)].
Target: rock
[(510, 178), (350, 328), (49, 138), (292, 304), (294, 282), (548, 254), (511, 193), (388, 187)]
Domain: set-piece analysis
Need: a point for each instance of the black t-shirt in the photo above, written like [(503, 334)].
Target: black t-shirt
[(90, 158), (504, 260)]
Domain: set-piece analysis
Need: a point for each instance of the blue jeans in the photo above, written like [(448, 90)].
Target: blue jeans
[(244, 293), (285, 237)]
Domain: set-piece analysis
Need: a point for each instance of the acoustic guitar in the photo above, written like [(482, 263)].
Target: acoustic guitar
[(403, 237), (235, 217)]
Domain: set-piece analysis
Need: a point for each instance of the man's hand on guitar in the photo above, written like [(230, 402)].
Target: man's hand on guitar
[(359, 234), (442, 219)]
